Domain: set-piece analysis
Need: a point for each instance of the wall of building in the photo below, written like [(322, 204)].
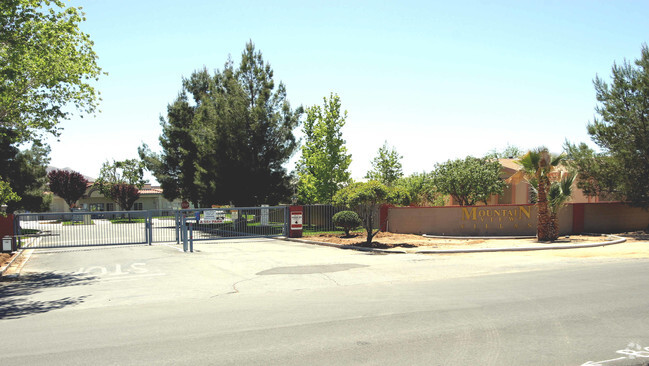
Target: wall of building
[(149, 202)]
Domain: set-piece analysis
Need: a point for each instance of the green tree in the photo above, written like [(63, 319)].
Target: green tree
[(622, 133), (25, 171), (366, 199), (47, 64), (324, 164), (597, 172), (238, 135), (121, 181), (175, 167), (509, 152), (7, 195), (386, 166), (537, 165), (421, 189), (348, 220), (470, 180)]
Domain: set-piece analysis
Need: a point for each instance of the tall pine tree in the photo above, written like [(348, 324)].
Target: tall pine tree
[(621, 169), (231, 144)]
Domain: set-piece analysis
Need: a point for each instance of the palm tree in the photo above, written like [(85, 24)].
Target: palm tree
[(537, 165), (558, 195)]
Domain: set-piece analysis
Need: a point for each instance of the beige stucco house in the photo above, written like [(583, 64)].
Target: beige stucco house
[(517, 190), (150, 199)]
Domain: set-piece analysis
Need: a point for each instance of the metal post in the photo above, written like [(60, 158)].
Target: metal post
[(177, 223), (149, 226), (191, 237), (184, 234), (287, 221)]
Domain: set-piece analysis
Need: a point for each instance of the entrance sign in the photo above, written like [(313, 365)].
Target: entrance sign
[(296, 220), (213, 217)]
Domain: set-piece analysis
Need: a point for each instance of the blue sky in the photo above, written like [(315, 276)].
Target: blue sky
[(436, 80)]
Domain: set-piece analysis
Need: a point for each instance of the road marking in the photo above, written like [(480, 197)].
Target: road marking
[(135, 268), (133, 277), (632, 351)]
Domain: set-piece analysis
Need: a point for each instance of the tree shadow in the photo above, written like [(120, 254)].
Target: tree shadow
[(16, 292)]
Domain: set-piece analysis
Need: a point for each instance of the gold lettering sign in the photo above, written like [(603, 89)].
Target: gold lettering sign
[(500, 216), (473, 213)]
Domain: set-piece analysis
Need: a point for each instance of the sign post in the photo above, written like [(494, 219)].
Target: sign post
[(295, 226)]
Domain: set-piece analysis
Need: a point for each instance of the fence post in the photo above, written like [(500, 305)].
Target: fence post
[(191, 238), (149, 226), (287, 221), (177, 224), (184, 233)]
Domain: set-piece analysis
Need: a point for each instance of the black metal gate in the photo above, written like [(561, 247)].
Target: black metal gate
[(233, 222), (73, 229)]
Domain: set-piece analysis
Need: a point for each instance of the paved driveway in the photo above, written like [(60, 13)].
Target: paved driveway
[(95, 277), (267, 302)]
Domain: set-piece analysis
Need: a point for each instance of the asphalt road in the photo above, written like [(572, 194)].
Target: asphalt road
[(275, 303)]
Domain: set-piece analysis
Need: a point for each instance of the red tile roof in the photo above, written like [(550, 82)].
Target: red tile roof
[(152, 190)]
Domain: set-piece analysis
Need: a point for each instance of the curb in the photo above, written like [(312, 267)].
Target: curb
[(340, 246), (617, 240)]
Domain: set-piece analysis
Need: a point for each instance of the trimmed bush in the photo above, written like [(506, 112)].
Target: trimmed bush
[(348, 220)]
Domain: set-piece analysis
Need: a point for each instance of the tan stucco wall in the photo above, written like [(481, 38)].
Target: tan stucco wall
[(472, 220), (613, 218)]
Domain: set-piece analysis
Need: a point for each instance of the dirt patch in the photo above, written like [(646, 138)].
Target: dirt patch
[(5, 258), (635, 236), (411, 242)]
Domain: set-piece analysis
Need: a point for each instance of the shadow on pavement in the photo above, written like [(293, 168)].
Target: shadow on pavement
[(15, 293)]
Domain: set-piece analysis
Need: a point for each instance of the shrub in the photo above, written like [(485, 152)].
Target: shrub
[(348, 220)]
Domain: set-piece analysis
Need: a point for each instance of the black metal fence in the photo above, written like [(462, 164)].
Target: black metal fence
[(70, 229)]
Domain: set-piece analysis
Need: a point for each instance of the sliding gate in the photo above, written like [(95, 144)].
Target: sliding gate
[(233, 222), (74, 229)]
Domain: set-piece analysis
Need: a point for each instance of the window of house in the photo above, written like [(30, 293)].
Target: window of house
[(96, 207), (137, 206), (110, 207)]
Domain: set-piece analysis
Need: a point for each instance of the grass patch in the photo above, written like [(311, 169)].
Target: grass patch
[(29, 231), (314, 232), (66, 223), (127, 221)]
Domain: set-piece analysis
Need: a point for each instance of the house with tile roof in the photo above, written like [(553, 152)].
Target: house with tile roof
[(150, 199), (518, 189)]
